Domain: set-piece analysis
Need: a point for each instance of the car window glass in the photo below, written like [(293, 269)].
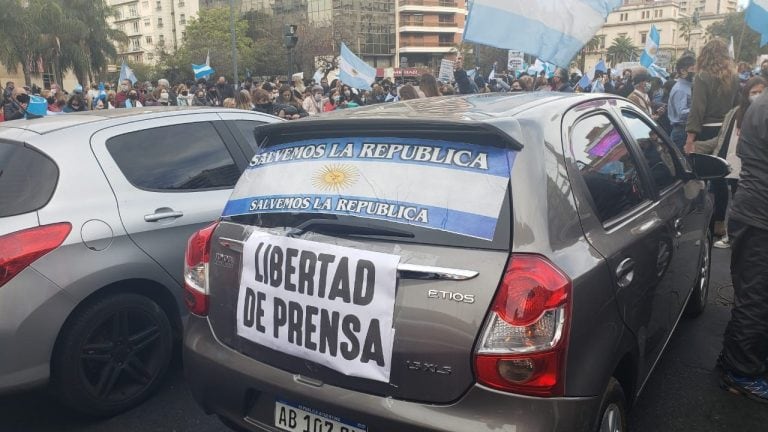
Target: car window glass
[(246, 127), (27, 179), (657, 155), (189, 156), (607, 167)]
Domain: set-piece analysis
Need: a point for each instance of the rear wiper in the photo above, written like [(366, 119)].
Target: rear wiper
[(334, 227)]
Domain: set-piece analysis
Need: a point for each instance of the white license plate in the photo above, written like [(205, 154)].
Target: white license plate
[(293, 417)]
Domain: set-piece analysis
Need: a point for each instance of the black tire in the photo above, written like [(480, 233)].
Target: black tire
[(112, 355), (613, 410), (697, 302)]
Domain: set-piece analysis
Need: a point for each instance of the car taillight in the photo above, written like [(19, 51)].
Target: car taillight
[(524, 340), (196, 262), (21, 248)]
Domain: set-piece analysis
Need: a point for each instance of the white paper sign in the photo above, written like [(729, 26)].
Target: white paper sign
[(329, 304), (446, 70), (514, 60)]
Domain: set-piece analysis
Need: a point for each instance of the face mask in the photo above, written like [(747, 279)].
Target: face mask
[(753, 98), (647, 87), (690, 76), (124, 88), (51, 100), (336, 98), (184, 93), (132, 96), (744, 76), (163, 95), (318, 97)]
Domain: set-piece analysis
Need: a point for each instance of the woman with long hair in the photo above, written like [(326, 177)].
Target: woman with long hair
[(715, 92), (727, 140), (243, 100), (408, 92), (288, 106), (428, 85)]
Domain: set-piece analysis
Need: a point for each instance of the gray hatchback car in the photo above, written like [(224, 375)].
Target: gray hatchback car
[(95, 212), (479, 263)]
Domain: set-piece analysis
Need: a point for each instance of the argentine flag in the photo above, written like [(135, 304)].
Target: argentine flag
[(757, 18), (652, 43), (126, 73), (553, 30), (204, 70), (353, 71)]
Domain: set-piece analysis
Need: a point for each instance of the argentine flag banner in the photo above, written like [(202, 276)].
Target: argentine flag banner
[(756, 16), (553, 30), (652, 43), (353, 71), (447, 186)]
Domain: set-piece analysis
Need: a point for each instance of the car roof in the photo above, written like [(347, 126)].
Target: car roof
[(54, 123), (476, 107)]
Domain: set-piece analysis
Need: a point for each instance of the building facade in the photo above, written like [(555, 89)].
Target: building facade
[(429, 30), (152, 26), (670, 17)]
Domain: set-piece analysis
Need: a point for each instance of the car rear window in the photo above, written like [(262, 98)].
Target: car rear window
[(412, 189), (27, 179)]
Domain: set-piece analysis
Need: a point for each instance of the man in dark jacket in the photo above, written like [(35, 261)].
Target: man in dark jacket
[(461, 77), (745, 344), (224, 89), (561, 81)]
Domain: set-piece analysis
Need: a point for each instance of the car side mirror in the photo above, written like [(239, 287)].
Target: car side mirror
[(708, 167)]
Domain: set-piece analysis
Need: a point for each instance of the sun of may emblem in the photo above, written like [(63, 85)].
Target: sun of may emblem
[(335, 177)]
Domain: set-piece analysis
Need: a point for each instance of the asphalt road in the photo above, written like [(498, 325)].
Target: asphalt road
[(681, 395)]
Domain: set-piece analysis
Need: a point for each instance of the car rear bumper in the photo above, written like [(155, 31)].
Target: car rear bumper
[(243, 391)]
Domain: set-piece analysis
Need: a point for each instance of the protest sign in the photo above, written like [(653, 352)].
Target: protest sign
[(514, 60), (446, 70)]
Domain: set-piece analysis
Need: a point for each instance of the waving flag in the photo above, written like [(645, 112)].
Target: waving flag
[(600, 66), (757, 18), (353, 71), (554, 30), (126, 73), (651, 47), (203, 70)]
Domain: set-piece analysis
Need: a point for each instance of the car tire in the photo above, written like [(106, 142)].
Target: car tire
[(112, 355), (613, 410), (698, 299)]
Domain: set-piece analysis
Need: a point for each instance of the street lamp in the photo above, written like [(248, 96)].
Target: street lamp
[(290, 41)]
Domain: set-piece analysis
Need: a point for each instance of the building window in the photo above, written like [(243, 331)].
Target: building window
[(643, 37), (135, 26), (446, 20), (149, 40), (137, 58), (182, 19), (132, 12), (118, 14), (121, 27), (135, 44), (159, 5), (147, 22), (181, 3), (160, 23), (183, 36), (446, 40), (602, 41)]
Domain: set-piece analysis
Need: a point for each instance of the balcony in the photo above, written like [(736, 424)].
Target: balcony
[(438, 6)]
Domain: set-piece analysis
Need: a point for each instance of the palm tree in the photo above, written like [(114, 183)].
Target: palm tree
[(686, 27), (622, 49), (591, 46), (20, 39)]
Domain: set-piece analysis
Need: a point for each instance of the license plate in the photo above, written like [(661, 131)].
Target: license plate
[(293, 417)]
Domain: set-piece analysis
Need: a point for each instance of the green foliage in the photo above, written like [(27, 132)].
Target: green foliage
[(622, 49), (746, 41)]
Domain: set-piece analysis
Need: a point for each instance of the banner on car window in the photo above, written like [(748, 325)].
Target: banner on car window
[(441, 185), (329, 304)]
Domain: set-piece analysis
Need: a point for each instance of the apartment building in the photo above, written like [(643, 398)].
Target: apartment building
[(152, 26), (428, 30), (635, 17)]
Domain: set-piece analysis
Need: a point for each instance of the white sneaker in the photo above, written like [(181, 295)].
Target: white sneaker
[(723, 243)]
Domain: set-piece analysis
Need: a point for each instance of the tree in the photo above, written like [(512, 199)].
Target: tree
[(591, 46), (622, 49), (746, 41), (686, 26), (210, 33)]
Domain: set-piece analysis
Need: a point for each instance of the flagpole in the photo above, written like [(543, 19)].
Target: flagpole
[(741, 38), (234, 41)]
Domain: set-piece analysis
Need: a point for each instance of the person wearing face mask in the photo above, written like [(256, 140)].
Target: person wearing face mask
[(183, 98), (333, 102), (163, 97), (122, 95), (313, 104), (725, 145), (262, 101), (288, 106), (680, 100), (642, 83), (75, 104), (200, 98)]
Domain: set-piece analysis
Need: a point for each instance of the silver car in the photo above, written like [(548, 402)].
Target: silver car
[(95, 212)]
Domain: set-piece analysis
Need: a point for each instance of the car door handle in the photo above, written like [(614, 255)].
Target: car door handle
[(163, 213), (625, 273)]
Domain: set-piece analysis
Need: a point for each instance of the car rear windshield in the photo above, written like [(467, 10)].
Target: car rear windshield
[(27, 179), (424, 190)]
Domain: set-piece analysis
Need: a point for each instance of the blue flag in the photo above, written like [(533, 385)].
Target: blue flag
[(757, 18), (584, 81), (652, 42), (353, 71), (553, 30), (601, 67), (126, 73), (203, 70)]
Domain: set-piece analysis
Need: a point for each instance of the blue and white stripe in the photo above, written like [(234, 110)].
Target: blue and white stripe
[(554, 30), (757, 18), (353, 71), (652, 42)]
